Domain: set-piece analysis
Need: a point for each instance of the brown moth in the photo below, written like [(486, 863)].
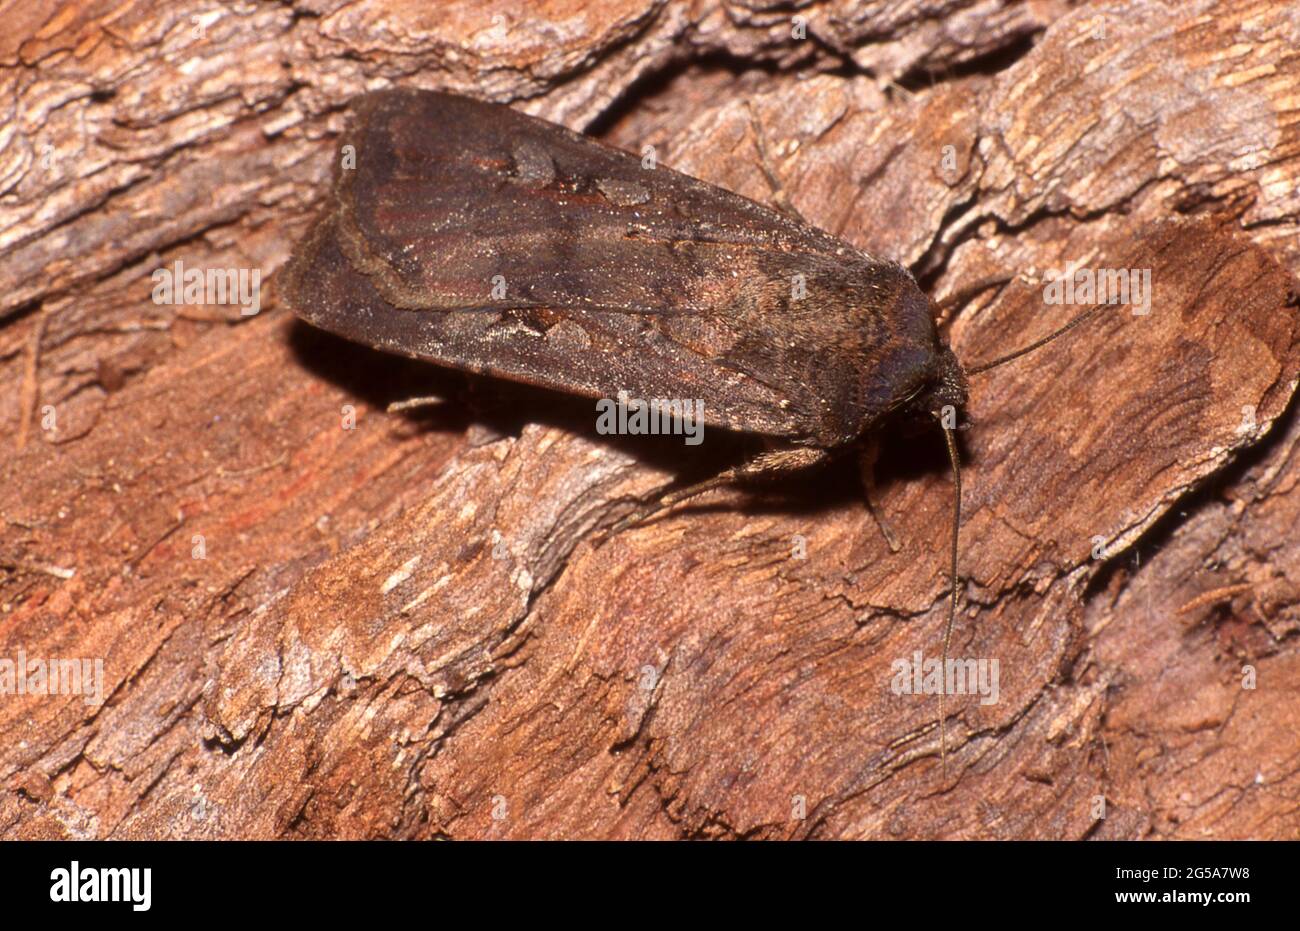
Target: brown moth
[(470, 235)]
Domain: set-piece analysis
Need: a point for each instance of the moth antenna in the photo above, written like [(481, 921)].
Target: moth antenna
[(984, 367), (950, 440)]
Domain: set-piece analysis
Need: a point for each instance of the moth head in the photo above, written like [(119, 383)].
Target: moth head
[(949, 388), (943, 392)]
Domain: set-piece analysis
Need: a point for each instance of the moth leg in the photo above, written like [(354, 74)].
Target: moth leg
[(475, 394), (779, 197), (411, 403), (765, 466), (867, 455)]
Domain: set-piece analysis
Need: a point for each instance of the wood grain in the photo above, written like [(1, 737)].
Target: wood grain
[(401, 625)]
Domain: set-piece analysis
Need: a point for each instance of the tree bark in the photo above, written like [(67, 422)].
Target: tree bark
[(317, 619)]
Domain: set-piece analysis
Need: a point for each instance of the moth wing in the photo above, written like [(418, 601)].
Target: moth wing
[(481, 238)]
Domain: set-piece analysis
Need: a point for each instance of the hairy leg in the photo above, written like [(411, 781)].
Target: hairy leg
[(765, 466), (867, 454)]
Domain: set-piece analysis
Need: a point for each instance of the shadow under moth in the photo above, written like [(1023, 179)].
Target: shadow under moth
[(470, 235)]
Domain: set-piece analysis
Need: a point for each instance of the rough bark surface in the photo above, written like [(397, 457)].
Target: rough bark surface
[(402, 626)]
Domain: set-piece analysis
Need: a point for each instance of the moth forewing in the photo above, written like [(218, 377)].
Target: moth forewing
[(470, 235)]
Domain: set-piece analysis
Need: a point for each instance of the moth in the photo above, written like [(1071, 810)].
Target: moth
[(470, 235)]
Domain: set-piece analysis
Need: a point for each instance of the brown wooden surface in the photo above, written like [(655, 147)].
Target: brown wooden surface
[(404, 629)]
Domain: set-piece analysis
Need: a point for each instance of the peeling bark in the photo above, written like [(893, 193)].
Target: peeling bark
[(317, 619)]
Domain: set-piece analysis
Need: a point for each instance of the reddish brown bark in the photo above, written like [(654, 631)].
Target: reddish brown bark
[(405, 629)]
